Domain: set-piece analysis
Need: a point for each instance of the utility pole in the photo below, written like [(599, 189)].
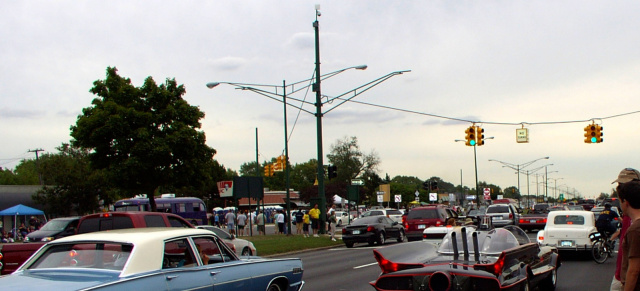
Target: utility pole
[(37, 164)]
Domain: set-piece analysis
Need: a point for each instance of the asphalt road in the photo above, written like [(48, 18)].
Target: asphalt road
[(352, 269)]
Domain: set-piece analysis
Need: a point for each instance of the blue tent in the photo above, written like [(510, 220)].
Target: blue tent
[(20, 210)]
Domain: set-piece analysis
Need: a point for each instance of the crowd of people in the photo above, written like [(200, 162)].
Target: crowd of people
[(21, 231)]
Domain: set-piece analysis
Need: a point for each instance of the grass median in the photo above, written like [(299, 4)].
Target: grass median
[(274, 244)]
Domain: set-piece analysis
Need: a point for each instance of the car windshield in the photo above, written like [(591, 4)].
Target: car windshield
[(373, 213), (367, 220), (55, 225), (569, 219), (111, 256), (489, 243)]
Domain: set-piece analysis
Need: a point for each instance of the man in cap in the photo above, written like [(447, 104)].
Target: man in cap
[(625, 176)]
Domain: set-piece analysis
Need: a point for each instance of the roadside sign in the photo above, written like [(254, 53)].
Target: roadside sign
[(398, 198), (487, 193), (433, 196), (380, 198), (417, 199), (357, 182), (417, 193)]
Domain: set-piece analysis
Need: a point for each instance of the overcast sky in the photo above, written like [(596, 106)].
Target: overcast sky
[(552, 65)]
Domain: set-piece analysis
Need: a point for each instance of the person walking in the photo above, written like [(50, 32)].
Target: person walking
[(242, 221), (629, 194), (305, 224), (332, 230), (260, 221), (314, 214), (626, 175), (230, 218), (330, 211), (299, 215)]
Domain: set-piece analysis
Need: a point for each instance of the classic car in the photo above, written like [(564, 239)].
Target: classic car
[(372, 229), (568, 230), (243, 247), (469, 258), (150, 259)]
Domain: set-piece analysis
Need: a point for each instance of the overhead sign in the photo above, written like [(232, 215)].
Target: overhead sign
[(357, 182), (398, 198), (522, 135)]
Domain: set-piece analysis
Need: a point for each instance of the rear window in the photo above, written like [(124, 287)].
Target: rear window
[(394, 212), (423, 214), (105, 223), (174, 222), (498, 209), (569, 219), (154, 221)]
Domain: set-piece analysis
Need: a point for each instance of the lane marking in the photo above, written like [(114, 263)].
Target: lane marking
[(367, 265)]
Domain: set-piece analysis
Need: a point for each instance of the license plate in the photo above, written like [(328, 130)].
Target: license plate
[(566, 243), (421, 226), (532, 221), (356, 232)]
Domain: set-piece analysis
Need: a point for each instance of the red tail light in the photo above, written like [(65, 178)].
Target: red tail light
[(388, 266), (544, 220), (438, 223), (371, 228), (510, 215), (495, 268), (344, 230), (521, 220)]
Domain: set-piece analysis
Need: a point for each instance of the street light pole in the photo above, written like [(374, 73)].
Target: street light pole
[(475, 165), (320, 168), (518, 168)]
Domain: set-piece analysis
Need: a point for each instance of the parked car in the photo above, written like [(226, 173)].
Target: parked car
[(343, 218), (568, 230), (54, 229), (469, 258), (242, 247), (150, 259), (392, 213), (503, 214), (372, 229), (420, 218)]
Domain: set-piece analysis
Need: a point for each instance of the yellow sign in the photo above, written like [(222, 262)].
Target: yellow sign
[(386, 188)]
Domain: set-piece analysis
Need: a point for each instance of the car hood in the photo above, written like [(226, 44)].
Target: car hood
[(39, 234), (58, 279)]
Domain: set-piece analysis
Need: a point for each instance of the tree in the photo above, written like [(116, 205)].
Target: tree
[(72, 186), (351, 162), (143, 138)]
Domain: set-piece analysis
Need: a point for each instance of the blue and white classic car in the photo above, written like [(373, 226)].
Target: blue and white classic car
[(150, 259)]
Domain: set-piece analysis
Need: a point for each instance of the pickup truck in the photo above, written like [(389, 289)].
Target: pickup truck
[(503, 214), (12, 255)]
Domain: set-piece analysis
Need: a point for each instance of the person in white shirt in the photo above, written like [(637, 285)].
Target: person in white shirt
[(280, 222), (242, 221)]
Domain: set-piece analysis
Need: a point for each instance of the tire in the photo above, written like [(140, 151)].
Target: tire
[(246, 252), (274, 287), (380, 239), (549, 283), (401, 236), (348, 244), (598, 252)]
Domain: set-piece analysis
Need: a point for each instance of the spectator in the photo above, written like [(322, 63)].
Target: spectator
[(314, 214), (629, 194), (242, 221), (230, 218), (23, 230), (305, 225), (332, 219), (280, 222), (626, 175), (299, 221), (260, 221)]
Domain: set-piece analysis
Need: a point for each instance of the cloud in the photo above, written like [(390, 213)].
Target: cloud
[(228, 63), (17, 113)]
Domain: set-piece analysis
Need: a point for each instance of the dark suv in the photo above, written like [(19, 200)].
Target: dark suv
[(420, 218)]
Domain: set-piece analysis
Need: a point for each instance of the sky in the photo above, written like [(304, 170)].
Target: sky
[(552, 67)]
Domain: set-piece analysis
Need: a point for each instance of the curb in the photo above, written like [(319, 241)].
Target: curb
[(306, 250)]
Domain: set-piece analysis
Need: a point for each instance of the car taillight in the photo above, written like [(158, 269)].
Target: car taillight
[(495, 268), (371, 228), (510, 215), (438, 223), (541, 238), (344, 230), (521, 220), (406, 225), (544, 220)]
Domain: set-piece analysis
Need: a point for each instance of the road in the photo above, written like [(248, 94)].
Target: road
[(352, 269)]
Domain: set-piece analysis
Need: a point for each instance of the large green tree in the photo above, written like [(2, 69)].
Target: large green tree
[(351, 162), (144, 137)]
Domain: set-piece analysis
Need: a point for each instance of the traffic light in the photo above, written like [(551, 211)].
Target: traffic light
[(599, 133), (479, 135), (268, 170), (434, 185), (471, 136), (426, 185), (332, 171), (283, 162), (279, 164), (590, 134)]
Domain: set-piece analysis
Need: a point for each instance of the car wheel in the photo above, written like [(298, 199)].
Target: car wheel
[(246, 252), (401, 236), (274, 287), (348, 244), (549, 283), (380, 238)]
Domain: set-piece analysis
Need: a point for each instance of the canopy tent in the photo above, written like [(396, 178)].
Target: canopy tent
[(20, 210)]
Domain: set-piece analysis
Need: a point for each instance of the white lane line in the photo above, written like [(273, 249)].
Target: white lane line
[(367, 265)]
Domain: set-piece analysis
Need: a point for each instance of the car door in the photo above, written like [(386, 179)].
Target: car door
[(224, 268), (182, 269), (390, 229)]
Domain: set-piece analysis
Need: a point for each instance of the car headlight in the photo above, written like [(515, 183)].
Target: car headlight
[(48, 238)]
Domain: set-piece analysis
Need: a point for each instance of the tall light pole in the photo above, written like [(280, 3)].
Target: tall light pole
[(518, 168), (555, 187), (475, 165), (342, 98), (531, 172)]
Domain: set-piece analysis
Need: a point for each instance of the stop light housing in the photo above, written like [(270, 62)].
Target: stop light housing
[(426, 185), (599, 133), (479, 135), (470, 136), (332, 171), (590, 133), (268, 170)]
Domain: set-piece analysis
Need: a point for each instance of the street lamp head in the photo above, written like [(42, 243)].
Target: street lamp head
[(211, 85), (361, 67)]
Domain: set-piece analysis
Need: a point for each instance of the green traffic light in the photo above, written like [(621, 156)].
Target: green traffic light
[(594, 140), (472, 142)]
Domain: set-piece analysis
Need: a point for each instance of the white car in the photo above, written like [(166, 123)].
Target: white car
[(568, 230), (343, 218), (394, 214), (243, 247)]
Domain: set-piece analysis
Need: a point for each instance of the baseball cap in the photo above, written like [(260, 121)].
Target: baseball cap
[(627, 175)]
